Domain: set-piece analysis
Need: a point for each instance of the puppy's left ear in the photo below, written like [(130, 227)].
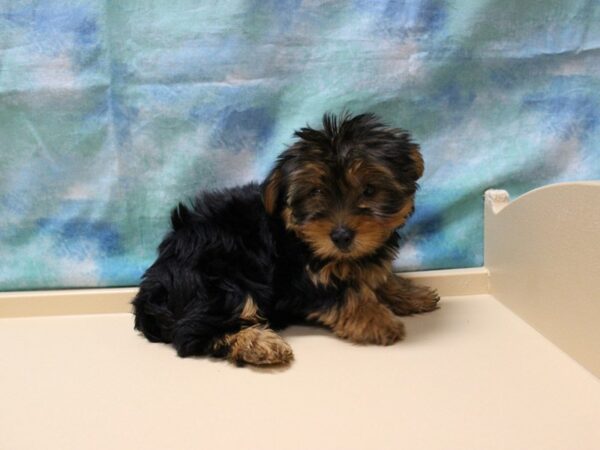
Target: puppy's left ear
[(271, 189), (414, 153)]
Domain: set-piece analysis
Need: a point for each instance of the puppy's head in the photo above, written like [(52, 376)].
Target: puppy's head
[(345, 188)]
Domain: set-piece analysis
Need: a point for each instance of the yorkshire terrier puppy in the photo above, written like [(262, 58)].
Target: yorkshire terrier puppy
[(313, 243)]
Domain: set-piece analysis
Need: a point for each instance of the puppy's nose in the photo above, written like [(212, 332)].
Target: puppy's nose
[(342, 237)]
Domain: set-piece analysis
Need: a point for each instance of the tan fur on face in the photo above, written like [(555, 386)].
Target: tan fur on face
[(316, 234), (371, 232), (362, 319)]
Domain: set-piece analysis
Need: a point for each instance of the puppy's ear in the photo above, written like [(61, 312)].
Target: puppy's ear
[(271, 189), (414, 153)]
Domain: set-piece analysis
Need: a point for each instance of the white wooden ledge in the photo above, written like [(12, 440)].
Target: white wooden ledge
[(543, 254)]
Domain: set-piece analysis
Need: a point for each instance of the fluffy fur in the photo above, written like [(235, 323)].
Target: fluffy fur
[(313, 243)]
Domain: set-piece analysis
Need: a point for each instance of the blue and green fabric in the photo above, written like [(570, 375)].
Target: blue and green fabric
[(113, 111)]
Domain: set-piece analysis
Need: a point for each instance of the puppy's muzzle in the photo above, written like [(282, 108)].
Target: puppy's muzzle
[(342, 237)]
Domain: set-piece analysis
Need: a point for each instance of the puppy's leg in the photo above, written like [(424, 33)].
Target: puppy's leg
[(202, 328), (256, 345), (404, 297), (362, 319)]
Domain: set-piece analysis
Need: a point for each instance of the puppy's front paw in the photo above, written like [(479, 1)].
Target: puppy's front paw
[(380, 333), (260, 347), (373, 325), (404, 297), (423, 299)]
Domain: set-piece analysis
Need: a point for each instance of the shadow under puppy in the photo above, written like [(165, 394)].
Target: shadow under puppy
[(315, 242)]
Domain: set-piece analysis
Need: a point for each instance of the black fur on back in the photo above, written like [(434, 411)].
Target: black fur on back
[(220, 250)]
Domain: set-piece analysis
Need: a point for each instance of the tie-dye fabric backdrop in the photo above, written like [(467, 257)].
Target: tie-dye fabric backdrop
[(112, 111)]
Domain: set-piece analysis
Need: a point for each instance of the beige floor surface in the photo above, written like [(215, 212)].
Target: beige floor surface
[(469, 376)]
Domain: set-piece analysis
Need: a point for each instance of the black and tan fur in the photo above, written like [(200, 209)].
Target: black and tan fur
[(314, 242)]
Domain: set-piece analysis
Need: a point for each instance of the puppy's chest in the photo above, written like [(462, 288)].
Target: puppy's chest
[(351, 274)]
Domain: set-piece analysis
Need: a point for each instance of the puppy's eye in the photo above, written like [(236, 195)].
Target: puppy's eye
[(315, 192), (369, 191)]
